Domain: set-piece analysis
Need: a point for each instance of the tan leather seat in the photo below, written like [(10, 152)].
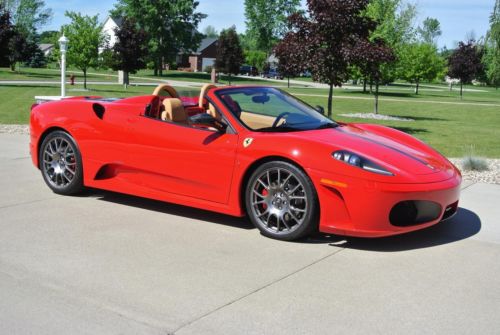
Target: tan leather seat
[(203, 92), (174, 111), (165, 88), (214, 112)]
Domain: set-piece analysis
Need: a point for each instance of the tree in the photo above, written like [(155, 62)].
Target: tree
[(28, 15), (85, 38), (327, 37), (6, 34), (130, 49), (290, 62), (465, 63), (430, 30), (492, 44), (421, 62), (19, 49), (492, 65), (396, 19), (369, 57), (267, 21), (229, 53), (49, 36), (170, 26), (210, 31), (25, 16), (36, 59), (256, 58)]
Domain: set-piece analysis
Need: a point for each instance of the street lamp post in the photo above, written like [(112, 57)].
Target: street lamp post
[(63, 45)]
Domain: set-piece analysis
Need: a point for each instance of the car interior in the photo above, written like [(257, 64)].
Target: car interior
[(168, 106)]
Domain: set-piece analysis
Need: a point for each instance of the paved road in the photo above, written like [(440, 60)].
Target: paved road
[(104, 263)]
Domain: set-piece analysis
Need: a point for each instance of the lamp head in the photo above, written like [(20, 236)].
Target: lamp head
[(63, 43)]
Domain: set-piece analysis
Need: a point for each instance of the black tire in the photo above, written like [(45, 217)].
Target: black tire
[(287, 195), (61, 163)]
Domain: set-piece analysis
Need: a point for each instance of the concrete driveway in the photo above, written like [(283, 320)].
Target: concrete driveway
[(104, 263)]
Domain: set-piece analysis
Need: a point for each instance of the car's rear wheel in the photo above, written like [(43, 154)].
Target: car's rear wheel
[(281, 201), (61, 163)]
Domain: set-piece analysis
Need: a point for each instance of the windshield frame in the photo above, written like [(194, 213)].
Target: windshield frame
[(305, 106)]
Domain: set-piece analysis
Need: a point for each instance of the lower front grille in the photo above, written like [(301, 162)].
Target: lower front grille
[(414, 212)]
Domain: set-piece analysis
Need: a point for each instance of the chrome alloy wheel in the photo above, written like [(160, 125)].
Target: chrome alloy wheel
[(279, 201), (59, 162)]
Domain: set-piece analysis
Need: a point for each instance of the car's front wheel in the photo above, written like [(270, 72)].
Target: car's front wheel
[(61, 163), (281, 201)]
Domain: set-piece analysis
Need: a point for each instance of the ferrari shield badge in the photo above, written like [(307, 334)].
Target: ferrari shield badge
[(247, 142)]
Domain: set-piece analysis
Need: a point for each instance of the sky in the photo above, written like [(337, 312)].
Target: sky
[(458, 18)]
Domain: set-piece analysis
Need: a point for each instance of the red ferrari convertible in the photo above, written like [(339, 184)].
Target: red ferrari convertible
[(254, 151)]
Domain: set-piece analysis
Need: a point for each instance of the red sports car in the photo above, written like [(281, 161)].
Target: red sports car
[(254, 151)]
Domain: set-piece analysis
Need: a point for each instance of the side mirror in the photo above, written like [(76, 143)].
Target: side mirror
[(320, 109), (207, 120)]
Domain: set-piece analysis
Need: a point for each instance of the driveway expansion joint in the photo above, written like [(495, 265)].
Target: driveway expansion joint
[(61, 291), (256, 291), (466, 187), (28, 202)]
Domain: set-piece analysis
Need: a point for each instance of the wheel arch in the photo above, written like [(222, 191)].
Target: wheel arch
[(252, 167), (42, 137)]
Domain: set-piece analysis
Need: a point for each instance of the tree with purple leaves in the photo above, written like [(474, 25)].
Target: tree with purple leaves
[(465, 63), (290, 61), (6, 33), (327, 40), (130, 50)]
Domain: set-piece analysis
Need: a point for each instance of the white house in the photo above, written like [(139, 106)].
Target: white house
[(109, 27)]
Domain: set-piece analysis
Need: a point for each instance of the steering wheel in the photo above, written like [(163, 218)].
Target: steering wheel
[(278, 119)]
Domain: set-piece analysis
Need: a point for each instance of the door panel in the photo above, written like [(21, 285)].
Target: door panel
[(182, 160)]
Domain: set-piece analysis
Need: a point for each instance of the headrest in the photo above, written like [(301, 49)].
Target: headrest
[(174, 111)]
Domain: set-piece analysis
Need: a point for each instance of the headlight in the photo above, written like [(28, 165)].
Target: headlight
[(361, 162)]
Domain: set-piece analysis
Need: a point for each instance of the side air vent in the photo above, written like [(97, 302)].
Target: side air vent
[(99, 110)]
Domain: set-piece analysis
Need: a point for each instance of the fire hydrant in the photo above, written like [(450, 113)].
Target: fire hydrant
[(72, 79)]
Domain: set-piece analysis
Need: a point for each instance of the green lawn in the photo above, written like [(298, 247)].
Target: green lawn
[(100, 75), (441, 119), (200, 77), (54, 74)]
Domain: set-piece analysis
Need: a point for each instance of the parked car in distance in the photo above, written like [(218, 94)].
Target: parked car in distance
[(273, 74), (248, 70), (306, 74)]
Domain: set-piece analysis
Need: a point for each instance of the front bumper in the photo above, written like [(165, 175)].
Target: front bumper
[(355, 207)]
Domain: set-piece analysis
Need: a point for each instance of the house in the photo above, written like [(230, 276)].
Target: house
[(197, 61), (201, 58), (46, 48), (109, 27)]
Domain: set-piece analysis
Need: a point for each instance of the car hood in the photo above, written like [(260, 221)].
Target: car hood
[(399, 152)]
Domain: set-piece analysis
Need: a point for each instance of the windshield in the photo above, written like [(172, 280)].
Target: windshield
[(272, 110)]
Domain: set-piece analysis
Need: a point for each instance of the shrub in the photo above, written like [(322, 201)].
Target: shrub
[(208, 69), (473, 163)]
